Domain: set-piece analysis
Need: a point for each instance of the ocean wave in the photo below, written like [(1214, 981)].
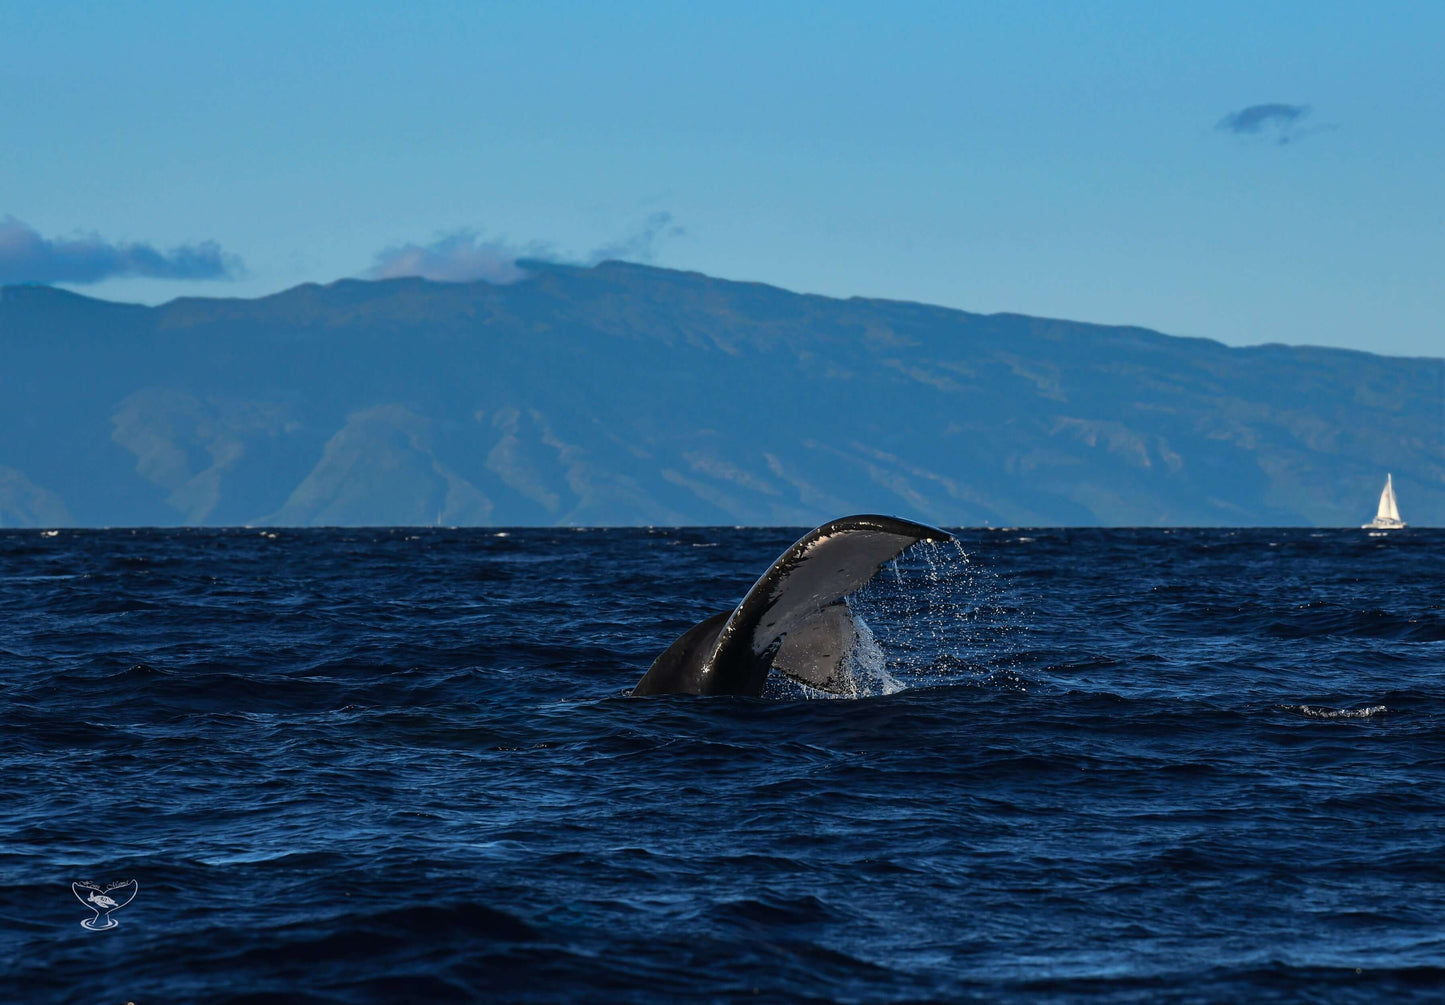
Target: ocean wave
[(1324, 712)]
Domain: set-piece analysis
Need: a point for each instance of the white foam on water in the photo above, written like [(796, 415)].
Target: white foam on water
[(1323, 712)]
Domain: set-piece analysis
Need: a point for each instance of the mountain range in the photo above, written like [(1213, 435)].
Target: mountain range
[(626, 394)]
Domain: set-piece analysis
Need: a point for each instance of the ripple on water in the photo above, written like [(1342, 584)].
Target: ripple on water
[(366, 765)]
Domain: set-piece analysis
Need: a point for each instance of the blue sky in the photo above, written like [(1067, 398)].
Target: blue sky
[(1068, 160)]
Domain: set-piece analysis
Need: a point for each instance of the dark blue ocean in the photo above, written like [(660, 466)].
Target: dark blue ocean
[(401, 765)]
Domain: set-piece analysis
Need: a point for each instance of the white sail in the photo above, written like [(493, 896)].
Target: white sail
[(1388, 508)]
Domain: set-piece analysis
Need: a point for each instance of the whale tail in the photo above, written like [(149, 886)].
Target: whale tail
[(680, 666), (792, 619)]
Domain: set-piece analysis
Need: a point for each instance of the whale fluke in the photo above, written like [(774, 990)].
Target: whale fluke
[(793, 618)]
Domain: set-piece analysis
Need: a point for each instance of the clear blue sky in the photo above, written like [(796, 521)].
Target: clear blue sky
[(1056, 159)]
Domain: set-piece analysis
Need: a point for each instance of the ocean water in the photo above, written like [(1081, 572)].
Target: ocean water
[(401, 765)]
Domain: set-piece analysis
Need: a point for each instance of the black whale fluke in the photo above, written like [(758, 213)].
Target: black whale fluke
[(793, 618)]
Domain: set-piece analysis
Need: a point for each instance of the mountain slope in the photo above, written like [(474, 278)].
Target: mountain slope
[(625, 394)]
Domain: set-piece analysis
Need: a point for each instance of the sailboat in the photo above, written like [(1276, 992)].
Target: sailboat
[(1388, 517)]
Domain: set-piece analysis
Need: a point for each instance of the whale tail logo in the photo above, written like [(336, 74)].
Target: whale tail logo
[(103, 900)]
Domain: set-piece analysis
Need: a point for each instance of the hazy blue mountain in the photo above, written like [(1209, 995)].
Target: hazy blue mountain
[(623, 394)]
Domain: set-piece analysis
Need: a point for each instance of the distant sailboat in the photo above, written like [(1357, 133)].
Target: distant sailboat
[(1388, 517)]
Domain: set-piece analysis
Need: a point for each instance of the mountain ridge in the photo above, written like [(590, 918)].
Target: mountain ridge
[(623, 393)]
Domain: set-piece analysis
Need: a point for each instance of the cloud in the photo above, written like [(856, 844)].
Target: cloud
[(462, 256), (26, 257), (1278, 120), (641, 244), (458, 257)]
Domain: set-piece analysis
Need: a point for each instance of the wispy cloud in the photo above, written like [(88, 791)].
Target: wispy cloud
[(458, 257), (1280, 121), (27, 257), (462, 256), (641, 244)]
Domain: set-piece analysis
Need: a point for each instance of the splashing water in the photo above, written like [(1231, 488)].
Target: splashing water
[(932, 618), (938, 617), (865, 670), (867, 664)]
